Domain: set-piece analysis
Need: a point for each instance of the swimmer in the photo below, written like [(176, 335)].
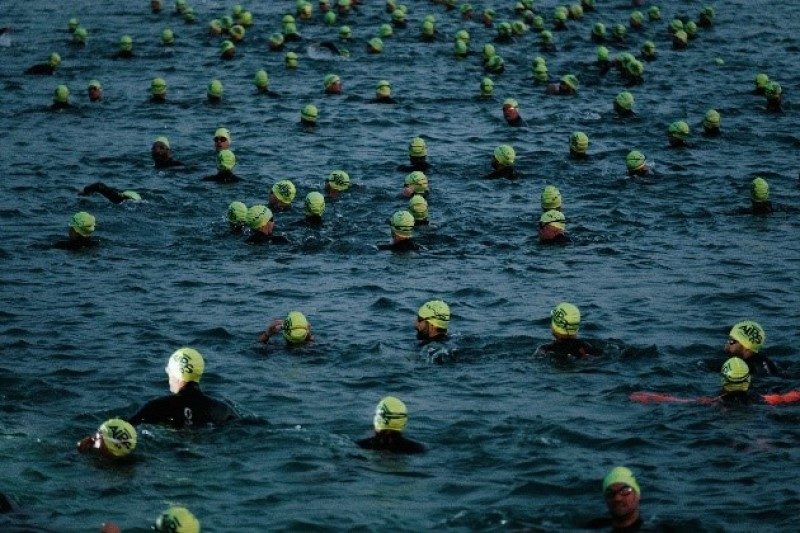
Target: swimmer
[(598, 32), (760, 81), (745, 341), (402, 225), (460, 49), (161, 153), (125, 48), (114, 439), (155, 6), (654, 13), (691, 29), (619, 33), (237, 217), (276, 41), (486, 87), (416, 182), (603, 61), (180, 6), (632, 72), (552, 228), (332, 84), (222, 139), (95, 91), (418, 206), (568, 85), (636, 20), (383, 93), (261, 81), (227, 50), (111, 194), (61, 98), (560, 16), (45, 69), (504, 33), (262, 223), (215, 27), (550, 198), (677, 134), (308, 116), (417, 156), (389, 422), (622, 495), (511, 112), (345, 33), (72, 25), (236, 33), (579, 145), (636, 163), (565, 320), (774, 95), (540, 73), (314, 207), (466, 12), (158, 91), (711, 123), (338, 181), (176, 520), (706, 17), (623, 104), (427, 32), (375, 45), (503, 159), (295, 328), (546, 43), (495, 65), (215, 91), (648, 51), (679, 40), (290, 33), (226, 161), (79, 37), (487, 17), (81, 227), (282, 195), (399, 18), (433, 321), (187, 406)]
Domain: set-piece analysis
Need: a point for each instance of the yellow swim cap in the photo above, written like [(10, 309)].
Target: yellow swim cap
[(226, 160), (390, 414), (223, 132), (749, 334), (620, 474), (314, 204), (554, 218), (83, 223), (158, 87), (418, 206), (418, 182), (417, 147), (551, 198), (436, 312), (177, 520), (119, 437), (402, 223), (505, 155), (759, 190), (339, 180), (163, 140), (258, 216), (295, 327), (237, 213), (186, 364), (384, 88), (565, 319), (131, 195), (735, 375), (285, 191)]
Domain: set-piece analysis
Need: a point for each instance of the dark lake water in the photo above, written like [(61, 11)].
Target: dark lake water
[(660, 267)]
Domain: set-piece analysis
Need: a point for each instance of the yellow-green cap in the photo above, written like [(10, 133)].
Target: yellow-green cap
[(759, 190), (635, 160), (131, 195), (215, 24), (186, 364), (238, 31), (417, 147), (620, 474), (258, 216), (436, 312), (402, 223), (635, 68), (177, 520), (54, 59), (712, 119), (79, 35), (560, 13), (553, 217), (385, 30), (735, 375), (690, 28), (418, 206), (538, 60), (72, 24), (276, 39), (546, 37), (460, 48), (654, 13), (510, 102), (291, 60), (749, 334), (215, 89), (295, 327), (126, 43), (390, 415), (637, 16), (237, 213), (330, 18), (649, 47), (418, 181), (309, 113), (226, 160), (119, 437), (83, 223), (487, 86), (95, 84), (158, 87), (505, 155), (761, 80), (579, 142), (551, 198), (571, 81), (167, 36), (329, 80), (488, 51), (246, 18), (675, 25), (61, 94), (345, 32), (462, 35), (223, 132), (495, 63), (314, 203), (226, 45), (678, 130), (681, 36), (624, 100), (284, 190), (565, 319), (619, 30), (376, 44), (289, 28), (383, 88), (163, 140), (428, 27), (261, 79), (773, 89), (339, 180), (602, 53)]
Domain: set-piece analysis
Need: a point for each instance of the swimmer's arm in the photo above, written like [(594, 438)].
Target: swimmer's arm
[(273, 328), (110, 193)]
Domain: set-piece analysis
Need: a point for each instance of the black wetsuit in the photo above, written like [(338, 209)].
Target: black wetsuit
[(740, 398), (42, 69), (569, 348), (517, 122), (391, 441), (123, 54), (711, 132), (315, 221), (223, 176), (113, 195), (762, 208), (189, 408), (384, 100), (292, 37), (166, 163), (761, 364), (76, 243), (60, 105), (262, 238), (503, 172), (405, 245), (416, 163), (606, 523), (423, 222)]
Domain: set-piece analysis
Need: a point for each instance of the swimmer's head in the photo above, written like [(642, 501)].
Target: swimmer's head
[(227, 48), (579, 143), (215, 89), (118, 437), (177, 520), (54, 60), (565, 319), (158, 87), (436, 313), (383, 89), (309, 114), (329, 18), (649, 49), (125, 43), (553, 218), (624, 101), (82, 223), (635, 161), (296, 328), (222, 137), (418, 206), (551, 198), (402, 223), (345, 33), (620, 474), (237, 32), (237, 213), (749, 334), (261, 80), (375, 45), (505, 155), (675, 25), (759, 190), (186, 364), (570, 81), (284, 191), (773, 90), (61, 94), (735, 375), (226, 160), (290, 60), (602, 53), (167, 36), (712, 119), (390, 415), (276, 41), (162, 140), (654, 13), (487, 86), (417, 147), (79, 35), (259, 216), (678, 132), (428, 28), (495, 64), (314, 204), (72, 24), (385, 30), (417, 181), (338, 180), (133, 196), (761, 80), (488, 51), (460, 48), (332, 83)]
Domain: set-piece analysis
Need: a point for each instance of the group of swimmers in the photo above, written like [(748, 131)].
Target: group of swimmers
[(187, 406)]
